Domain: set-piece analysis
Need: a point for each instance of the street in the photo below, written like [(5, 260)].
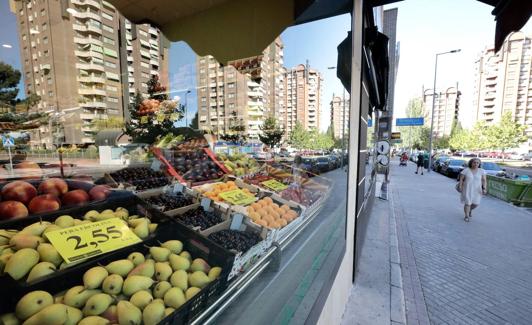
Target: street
[(465, 273)]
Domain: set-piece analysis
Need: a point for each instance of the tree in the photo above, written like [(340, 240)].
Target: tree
[(110, 123), (415, 136), (507, 134), (156, 90), (31, 101), (9, 79), (237, 130), (299, 137), (272, 133), (194, 123), (441, 142)]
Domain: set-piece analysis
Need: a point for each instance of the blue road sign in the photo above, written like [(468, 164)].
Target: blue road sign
[(370, 123), (8, 141), (409, 121)]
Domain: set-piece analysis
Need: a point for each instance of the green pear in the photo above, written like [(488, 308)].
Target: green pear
[(134, 222), (35, 229), (142, 229), (122, 214), (137, 258), (199, 279), (97, 304), (20, 241), (179, 279), (153, 313), (77, 296), (78, 222), (111, 314), (152, 227), (4, 258), (120, 267), (50, 228), (179, 262), (9, 319), (186, 255), (20, 263), (94, 277), (48, 253), (74, 315), (168, 311), (160, 254), (162, 271), (159, 301), (214, 273), (176, 246), (91, 215), (4, 240), (134, 283), (141, 298), (113, 284), (8, 250), (147, 268), (128, 314), (94, 320), (174, 298), (64, 221), (32, 303), (191, 292), (40, 270), (200, 264), (161, 288), (49, 315)]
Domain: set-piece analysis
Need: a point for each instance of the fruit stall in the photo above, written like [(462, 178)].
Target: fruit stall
[(172, 243)]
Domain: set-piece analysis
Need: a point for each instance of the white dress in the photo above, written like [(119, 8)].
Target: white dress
[(472, 188)]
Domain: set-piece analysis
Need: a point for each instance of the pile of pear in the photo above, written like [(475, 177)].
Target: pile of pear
[(28, 254), (142, 289)]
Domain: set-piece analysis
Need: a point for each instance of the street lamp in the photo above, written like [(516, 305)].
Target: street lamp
[(434, 103), (186, 107)]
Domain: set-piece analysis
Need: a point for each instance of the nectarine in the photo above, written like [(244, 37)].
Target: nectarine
[(99, 192), (75, 197), (55, 186), (18, 191), (12, 209), (44, 203)]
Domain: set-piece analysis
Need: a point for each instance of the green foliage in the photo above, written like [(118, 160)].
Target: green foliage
[(272, 133), (31, 101), (237, 130), (9, 79), (441, 143), (313, 139), (298, 136), (507, 134), (109, 123), (416, 137), (194, 123)]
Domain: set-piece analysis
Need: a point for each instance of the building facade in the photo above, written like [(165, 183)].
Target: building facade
[(73, 58), (339, 118), (503, 83), (446, 109)]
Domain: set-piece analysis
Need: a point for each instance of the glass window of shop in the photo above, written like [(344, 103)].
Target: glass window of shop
[(218, 186)]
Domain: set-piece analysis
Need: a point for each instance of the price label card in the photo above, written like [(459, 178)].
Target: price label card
[(161, 117), (237, 197), (143, 119), (274, 185), (91, 239)]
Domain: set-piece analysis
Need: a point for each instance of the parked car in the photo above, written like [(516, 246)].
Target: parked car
[(492, 168), (336, 161), (438, 163), (311, 166), (514, 156), (324, 164), (453, 167)]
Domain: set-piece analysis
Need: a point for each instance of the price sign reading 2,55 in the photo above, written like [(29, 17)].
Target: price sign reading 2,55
[(91, 239)]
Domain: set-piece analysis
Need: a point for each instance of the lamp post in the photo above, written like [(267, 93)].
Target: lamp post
[(186, 107), (434, 103)]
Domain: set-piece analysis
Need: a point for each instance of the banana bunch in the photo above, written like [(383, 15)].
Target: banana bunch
[(277, 173), (137, 290), (28, 252)]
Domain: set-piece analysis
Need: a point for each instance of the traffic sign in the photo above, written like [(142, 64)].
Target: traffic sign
[(8, 141), (383, 147), (410, 121)]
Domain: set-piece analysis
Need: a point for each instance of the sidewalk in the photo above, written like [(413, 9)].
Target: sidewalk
[(452, 272)]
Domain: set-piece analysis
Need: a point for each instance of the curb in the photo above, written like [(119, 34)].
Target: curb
[(397, 301)]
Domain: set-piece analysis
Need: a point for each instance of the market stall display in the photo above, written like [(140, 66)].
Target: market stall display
[(139, 178), (238, 164)]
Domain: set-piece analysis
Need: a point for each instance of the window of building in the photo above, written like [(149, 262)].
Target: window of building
[(112, 88), (108, 28), (231, 95), (50, 93), (112, 99), (21, 12), (46, 53), (49, 81), (143, 33), (43, 12), (44, 40), (110, 64), (107, 16), (203, 99), (108, 40), (145, 75), (44, 26), (231, 85), (145, 65)]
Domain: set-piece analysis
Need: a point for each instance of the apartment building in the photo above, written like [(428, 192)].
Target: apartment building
[(446, 108), (303, 87), (339, 116), (503, 83), (72, 56)]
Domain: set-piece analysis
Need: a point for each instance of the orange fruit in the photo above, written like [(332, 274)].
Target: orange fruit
[(268, 199), (282, 222), (262, 212), (285, 207), (268, 218), (254, 216), (262, 223)]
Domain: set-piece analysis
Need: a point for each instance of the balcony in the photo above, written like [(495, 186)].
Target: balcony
[(92, 91), (91, 3), (254, 94), (88, 40), (153, 31), (130, 69), (87, 140), (87, 15), (154, 62), (90, 66), (254, 103), (88, 54), (93, 104), (91, 79), (154, 43), (94, 29)]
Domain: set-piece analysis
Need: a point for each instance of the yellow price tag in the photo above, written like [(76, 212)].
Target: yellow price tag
[(274, 185), (143, 119), (91, 239), (237, 197), (161, 117), (174, 117)]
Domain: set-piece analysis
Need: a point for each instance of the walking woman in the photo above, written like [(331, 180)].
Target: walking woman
[(472, 186)]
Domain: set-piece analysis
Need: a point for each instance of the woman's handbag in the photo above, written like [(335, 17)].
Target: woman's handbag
[(457, 187)]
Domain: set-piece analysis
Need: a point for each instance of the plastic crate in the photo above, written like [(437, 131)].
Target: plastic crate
[(198, 246), (72, 185), (169, 190)]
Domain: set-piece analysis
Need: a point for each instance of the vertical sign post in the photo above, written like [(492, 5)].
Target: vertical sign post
[(8, 141)]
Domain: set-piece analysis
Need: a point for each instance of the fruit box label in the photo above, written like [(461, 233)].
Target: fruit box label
[(274, 185), (84, 241), (237, 197)]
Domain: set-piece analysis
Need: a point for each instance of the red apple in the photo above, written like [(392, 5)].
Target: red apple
[(99, 192), (19, 191), (12, 210), (75, 197), (55, 186), (44, 203)]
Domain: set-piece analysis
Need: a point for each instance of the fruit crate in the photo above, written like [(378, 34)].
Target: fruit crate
[(133, 204), (280, 233), (243, 260), (167, 157), (108, 179), (201, 189), (72, 185), (197, 245), (170, 190)]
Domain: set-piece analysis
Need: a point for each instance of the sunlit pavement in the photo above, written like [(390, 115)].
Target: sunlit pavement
[(465, 273)]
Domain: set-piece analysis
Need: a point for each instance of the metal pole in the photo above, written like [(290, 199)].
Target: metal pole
[(432, 113), (10, 160), (343, 127), (186, 108)]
